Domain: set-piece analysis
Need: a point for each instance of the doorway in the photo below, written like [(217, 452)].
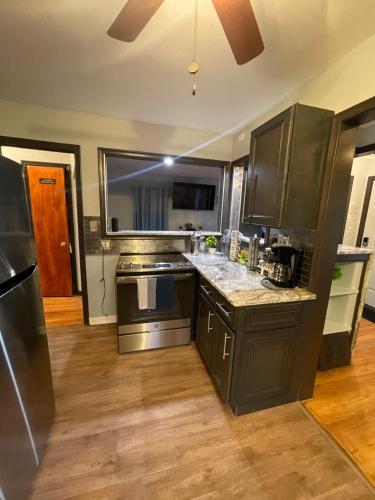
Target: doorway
[(53, 178), (49, 207), (366, 238), (359, 229), (343, 401)]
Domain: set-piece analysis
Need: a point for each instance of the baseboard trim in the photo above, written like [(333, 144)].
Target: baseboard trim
[(102, 320), (369, 313)]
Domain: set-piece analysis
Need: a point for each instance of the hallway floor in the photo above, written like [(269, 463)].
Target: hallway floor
[(60, 311), (344, 402), (150, 426)]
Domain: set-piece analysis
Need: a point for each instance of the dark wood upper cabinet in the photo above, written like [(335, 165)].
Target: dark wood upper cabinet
[(286, 166)]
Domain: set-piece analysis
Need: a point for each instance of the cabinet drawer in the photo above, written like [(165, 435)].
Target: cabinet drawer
[(272, 317), (207, 289), (225, 310)]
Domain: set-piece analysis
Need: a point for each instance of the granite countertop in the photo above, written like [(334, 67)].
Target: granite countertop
[(349, 250), (240, 286)]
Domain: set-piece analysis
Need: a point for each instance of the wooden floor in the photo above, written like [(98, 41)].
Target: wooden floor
[(150, 426), (60, 311), (344, 402)]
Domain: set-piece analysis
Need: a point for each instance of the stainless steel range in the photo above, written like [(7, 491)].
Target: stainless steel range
[(155, 301)]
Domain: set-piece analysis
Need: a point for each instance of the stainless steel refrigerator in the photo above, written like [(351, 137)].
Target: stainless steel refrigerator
[(26, 392)]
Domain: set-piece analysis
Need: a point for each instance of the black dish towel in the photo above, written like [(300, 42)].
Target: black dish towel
[(165, 296)]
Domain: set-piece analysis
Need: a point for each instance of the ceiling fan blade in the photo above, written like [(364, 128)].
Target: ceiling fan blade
[(241, 28), (133, 18)]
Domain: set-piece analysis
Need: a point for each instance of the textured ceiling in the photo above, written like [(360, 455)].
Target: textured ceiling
[(56, 53)]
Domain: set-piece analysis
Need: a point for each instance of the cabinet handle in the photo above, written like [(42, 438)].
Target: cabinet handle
[(226, 337), (209, 328), (205, 289), (220, 306)]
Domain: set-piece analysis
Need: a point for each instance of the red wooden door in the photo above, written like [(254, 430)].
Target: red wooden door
[(50, 219)]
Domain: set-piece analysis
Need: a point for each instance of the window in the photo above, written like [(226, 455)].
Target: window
[(154, 193)]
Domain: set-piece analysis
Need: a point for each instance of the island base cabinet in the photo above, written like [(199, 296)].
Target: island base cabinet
[(266, 367)]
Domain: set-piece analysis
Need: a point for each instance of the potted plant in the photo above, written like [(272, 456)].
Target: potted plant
[(211, 244), (337, 273)]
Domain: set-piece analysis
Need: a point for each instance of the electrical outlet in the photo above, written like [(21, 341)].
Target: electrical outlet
[(93, 226), (106, 245)]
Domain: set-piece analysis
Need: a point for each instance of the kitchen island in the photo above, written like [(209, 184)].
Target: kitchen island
[(251, 338)]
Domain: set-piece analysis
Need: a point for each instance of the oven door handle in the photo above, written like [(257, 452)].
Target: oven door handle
[(125, 280)]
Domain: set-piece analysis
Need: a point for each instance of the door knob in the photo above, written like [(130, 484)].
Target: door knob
[(63, 244)]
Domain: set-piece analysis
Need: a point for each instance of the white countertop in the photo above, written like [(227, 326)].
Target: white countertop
[(240, 286), (347, 249)]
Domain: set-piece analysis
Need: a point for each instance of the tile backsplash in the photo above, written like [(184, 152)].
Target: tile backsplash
[(131, 246), (302, 240)]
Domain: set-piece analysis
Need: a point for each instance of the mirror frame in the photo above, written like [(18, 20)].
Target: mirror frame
[(157, 157)]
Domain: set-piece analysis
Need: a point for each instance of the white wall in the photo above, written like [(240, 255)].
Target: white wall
[(363, 167), (33, 155), (92, 131), (347, 82)]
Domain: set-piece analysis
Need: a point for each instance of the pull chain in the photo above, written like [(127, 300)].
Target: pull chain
[(194, 67)]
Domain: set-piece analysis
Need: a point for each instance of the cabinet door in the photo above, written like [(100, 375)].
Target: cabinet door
[(268, 373), (268, 166), (205, 330), (222, 358)]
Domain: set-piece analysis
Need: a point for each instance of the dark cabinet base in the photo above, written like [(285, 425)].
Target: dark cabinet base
[(335, 351), (215, 343), (266, 370), (258, 365)]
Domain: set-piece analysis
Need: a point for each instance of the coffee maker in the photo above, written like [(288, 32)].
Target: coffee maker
[(284, 262)]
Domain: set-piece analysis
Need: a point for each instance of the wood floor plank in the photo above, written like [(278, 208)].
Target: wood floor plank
[(344, 402), (60, 311), (150, 425)]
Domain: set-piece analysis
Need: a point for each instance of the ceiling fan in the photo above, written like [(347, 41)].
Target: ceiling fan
[(236, 16)]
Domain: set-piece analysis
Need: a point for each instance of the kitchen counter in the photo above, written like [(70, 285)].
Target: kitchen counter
[(349, 250), (240, 286)]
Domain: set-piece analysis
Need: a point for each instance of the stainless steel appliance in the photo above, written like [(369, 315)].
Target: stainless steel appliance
[(284, 266), (140, 329), (253, 252), (26, 393), (195, 241)]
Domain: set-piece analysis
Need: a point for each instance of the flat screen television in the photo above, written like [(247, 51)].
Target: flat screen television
[(189, 196)]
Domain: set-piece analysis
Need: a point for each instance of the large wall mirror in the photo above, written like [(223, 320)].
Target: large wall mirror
[(145, 193)]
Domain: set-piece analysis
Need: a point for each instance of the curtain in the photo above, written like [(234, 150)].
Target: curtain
[(150, 208)]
